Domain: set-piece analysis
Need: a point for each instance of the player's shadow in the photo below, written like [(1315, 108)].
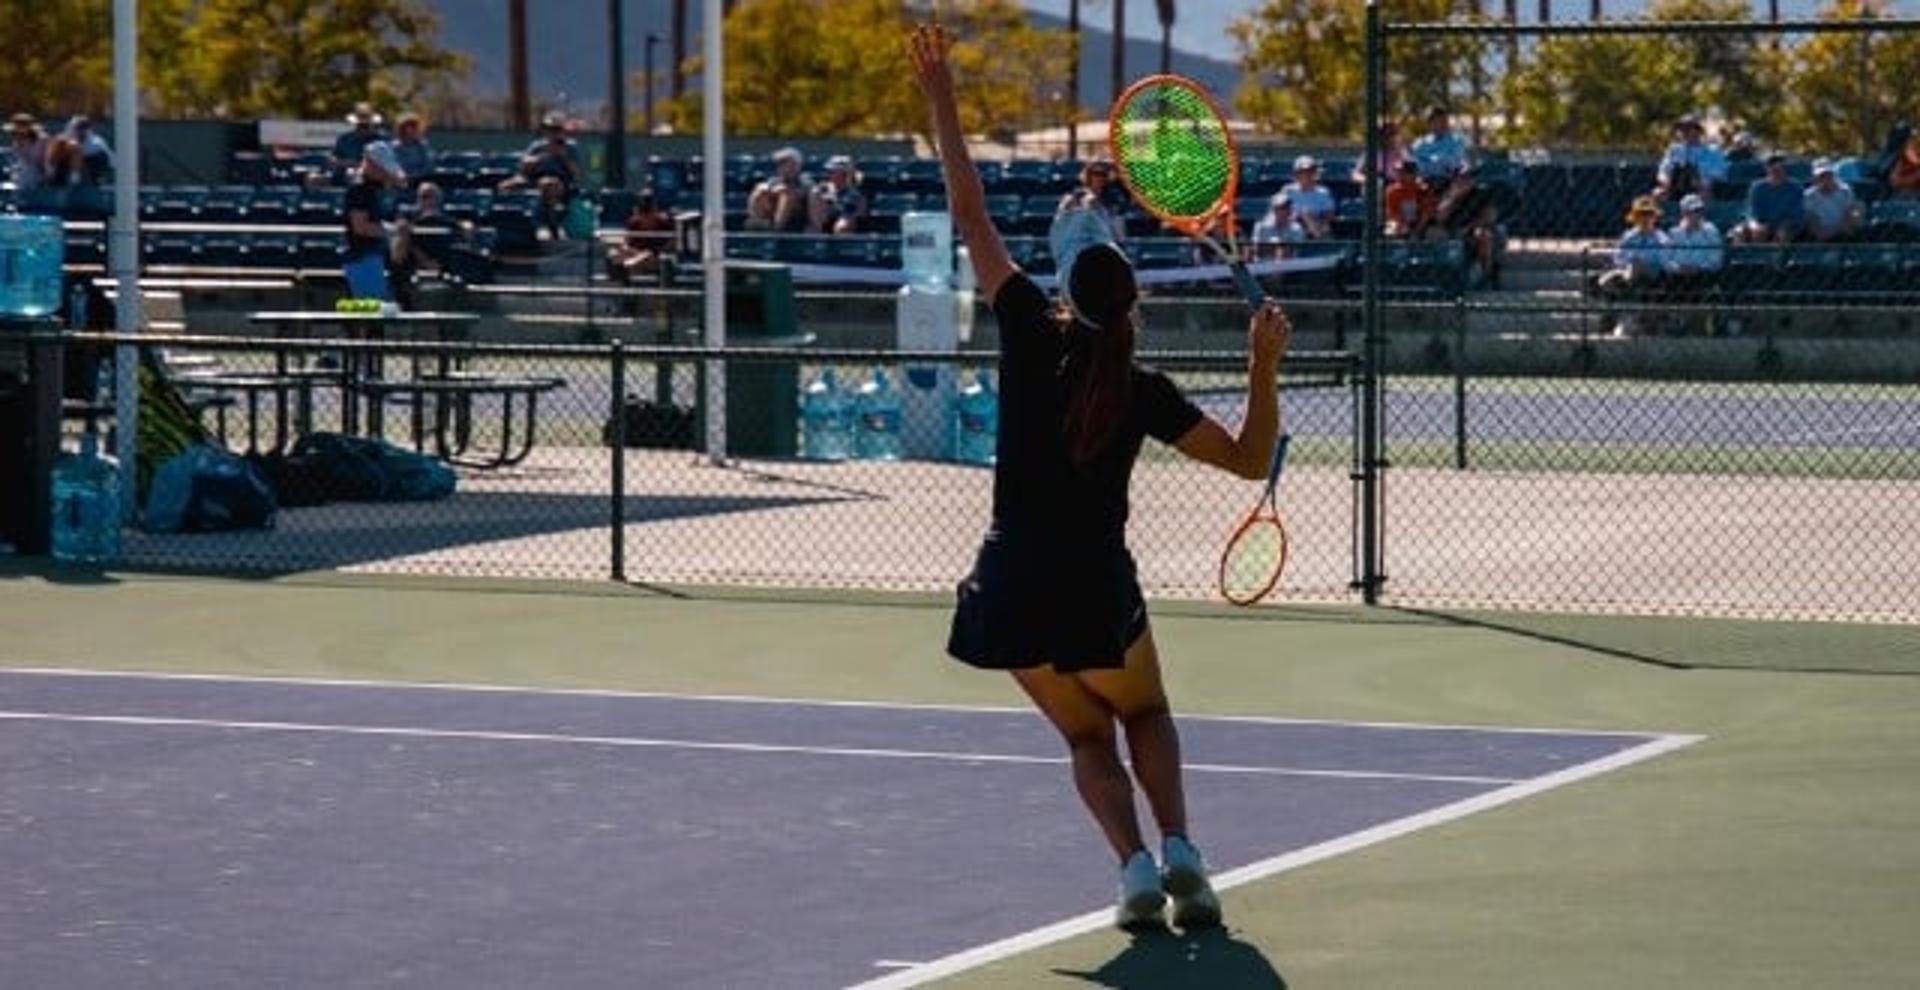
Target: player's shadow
[(1159, 959)]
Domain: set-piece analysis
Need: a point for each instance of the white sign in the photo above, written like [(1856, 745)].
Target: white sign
[(301, 133)]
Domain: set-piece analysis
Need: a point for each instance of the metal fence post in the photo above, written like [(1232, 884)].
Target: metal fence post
[(617, 439), (1460, 383), (1374, 343)]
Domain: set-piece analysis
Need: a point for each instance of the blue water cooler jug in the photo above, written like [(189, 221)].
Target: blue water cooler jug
[(32, 249), (86, 506), (826, 420), (976, 421), (878, 410)]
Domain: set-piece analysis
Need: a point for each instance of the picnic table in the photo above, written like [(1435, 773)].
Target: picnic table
[(359, 369)]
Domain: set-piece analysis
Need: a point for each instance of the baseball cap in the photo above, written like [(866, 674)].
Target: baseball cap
[(22, 122), (1643, 205), (789, 153), (363, 113), (840, 163), (1280, 199), (1305, 163), (1692, 203), (553, 120), (1776, 158), (382, 154), (1822, 165)]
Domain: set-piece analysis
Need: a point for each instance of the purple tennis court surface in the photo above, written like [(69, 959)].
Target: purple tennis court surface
[(203, 832)]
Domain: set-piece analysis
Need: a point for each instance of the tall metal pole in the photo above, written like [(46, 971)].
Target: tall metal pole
[(1165, 9), (617, 94), (1375, 349), (713, 249), (522, 108), (652, 40), (679, 87), (1073, 81), (124, 245), (1119, 48)]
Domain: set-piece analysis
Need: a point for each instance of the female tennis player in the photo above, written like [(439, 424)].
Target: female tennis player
[(1053, 595)]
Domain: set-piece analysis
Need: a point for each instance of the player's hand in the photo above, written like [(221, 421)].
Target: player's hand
[(927, 50), (1267, 335)]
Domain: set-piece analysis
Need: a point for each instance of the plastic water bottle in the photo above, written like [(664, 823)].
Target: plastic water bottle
[(826, 420), (86, 506), (976, 421), (32, 249), (926, 248), (879, 410)]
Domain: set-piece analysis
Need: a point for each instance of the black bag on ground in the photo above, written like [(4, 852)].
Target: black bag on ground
[(335, 467), (650, 424)]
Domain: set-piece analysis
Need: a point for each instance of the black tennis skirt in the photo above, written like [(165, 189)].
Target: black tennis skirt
[(1025, 607)]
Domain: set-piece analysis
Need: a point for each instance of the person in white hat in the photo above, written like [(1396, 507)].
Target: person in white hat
[(1832, 213), (348, 146), (372, 242), (836, 205), (1312, 202), (779, 202), (1279, 228), (1694, 245)]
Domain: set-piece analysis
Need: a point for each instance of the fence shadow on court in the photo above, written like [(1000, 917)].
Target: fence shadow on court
[(1163, 960)]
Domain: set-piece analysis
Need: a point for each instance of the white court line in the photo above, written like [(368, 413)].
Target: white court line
[(1816, 436), (748, 699), (633, 742), (1095, 920)]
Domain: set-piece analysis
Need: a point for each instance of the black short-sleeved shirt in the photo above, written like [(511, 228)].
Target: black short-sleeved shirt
[(1039, 495), (1053, 582), (365, 196)]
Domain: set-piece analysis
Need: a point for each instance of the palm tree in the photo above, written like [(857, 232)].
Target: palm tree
[(679, 47), (1166, 11)]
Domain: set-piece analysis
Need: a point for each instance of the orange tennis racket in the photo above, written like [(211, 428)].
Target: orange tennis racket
[(1256, 554), (1178, 158)]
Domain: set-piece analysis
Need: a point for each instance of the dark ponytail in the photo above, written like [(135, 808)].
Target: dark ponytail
[(1101, 294)]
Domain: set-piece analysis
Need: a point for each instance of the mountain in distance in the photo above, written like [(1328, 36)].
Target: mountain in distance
[(567, 51)]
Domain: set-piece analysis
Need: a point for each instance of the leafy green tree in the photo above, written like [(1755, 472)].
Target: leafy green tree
[(1847, 89), (814, 68), (1304, 65), (60, 55)]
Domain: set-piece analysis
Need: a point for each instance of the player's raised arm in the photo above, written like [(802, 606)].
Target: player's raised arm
[(966, 197)]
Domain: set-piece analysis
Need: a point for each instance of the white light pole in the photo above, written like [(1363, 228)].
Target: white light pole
[(123, 245), (713, 218)]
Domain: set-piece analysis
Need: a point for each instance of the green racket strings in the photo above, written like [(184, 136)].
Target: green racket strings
[(1174, 150)]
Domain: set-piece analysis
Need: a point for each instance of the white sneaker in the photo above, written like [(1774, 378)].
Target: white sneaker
[(1194, 903), (1140, 895)]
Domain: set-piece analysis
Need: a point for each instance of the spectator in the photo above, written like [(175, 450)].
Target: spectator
[(349, 148), (1904, 178), (1695, 250), (373, 245), (1312, 202), (1279, 228), (837, 206), (1441, 151), (410, 143), (1393, 151), (1742, 149), (1776, 206), (553, 156), (1470, 213), (1639, 260), (648, 243), (1690, 165), (30, 148), (1831, 213), (1410, 206), (1099, 192), (96, 158), (779, 202)]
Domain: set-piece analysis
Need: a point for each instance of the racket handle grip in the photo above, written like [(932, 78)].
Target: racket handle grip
[(1248, 285)]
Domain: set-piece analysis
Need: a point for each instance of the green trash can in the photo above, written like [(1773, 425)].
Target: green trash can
[(763, 417)]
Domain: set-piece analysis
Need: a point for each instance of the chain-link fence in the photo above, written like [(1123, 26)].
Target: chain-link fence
[(843, 468), (1693, 386)]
